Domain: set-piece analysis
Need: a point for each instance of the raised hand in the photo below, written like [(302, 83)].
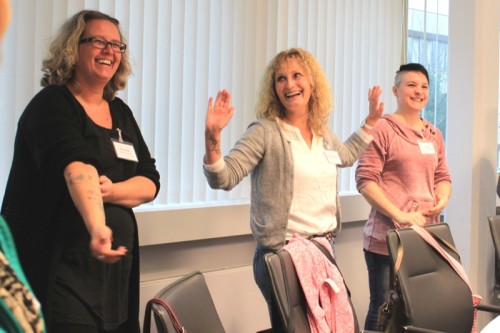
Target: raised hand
[(218, 116), (376, 106), (220, 113)]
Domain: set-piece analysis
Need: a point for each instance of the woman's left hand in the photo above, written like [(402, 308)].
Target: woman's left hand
[(441, 202), (106, 188)]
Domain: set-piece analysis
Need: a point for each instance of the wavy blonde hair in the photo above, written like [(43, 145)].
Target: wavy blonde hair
[(269, 105), (59, 66)]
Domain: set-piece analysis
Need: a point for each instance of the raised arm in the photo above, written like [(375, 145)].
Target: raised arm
[(218, 116), (376, 108)]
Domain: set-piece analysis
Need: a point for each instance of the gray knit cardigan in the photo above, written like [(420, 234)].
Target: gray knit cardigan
[(264, 152)]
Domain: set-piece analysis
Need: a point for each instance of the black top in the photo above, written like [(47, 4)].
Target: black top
[(50, 235)]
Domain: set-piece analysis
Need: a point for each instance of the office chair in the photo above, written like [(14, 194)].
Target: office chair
[(288, 295), (494, 222), (433, 297), (185, 305)]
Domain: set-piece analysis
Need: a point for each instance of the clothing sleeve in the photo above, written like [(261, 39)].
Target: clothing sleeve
[(372, 160), (350, 150), (442, 173), (241, 160), (51, 128), (146, 165)]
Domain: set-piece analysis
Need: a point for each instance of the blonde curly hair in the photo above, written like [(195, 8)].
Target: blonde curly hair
[(59, 66), (269, 105)]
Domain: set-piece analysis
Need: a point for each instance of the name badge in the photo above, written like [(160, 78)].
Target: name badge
[(426, 148), (333, 157), (123, 149)]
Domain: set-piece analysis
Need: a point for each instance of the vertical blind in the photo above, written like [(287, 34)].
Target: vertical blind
[(184, 51)]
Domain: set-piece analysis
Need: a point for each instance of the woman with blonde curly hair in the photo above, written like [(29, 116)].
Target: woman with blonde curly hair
[(80, 165), (292, 156)]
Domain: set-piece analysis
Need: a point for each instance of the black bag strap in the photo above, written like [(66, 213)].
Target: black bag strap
[(147, 316)]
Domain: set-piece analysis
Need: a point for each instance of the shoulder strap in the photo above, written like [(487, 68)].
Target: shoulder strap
[(432, 239), (332, 260), (147, 317)]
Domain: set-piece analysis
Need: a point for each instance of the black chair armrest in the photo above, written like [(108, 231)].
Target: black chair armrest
[(413, 329), (488, 308)]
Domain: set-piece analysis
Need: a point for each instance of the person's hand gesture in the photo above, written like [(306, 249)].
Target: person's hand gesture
[(220, 113), (376, 106), (441, 202), (106, 188), (407, 219), (100, 245)]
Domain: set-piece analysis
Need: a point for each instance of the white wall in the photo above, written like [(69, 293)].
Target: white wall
[(217, 241), (472, 138)]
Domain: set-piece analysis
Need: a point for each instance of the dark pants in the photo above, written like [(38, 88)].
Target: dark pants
[(378, 278)]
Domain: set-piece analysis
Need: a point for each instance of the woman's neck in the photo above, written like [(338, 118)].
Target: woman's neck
[(410, 119), (88, 95)]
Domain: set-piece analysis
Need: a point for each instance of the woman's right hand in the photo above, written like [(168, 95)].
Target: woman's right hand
[(218, 116), (101, 239), (408, 219), (220, 113)]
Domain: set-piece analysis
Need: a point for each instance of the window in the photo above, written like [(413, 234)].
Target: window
[(183, 51), (428, 45)]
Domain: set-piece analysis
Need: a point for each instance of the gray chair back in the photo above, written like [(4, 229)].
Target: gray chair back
[(190, 300), (288, 295), (434, 296), (494, 222)]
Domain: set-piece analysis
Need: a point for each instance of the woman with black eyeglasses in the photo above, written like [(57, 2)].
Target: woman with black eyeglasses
[(80, 165)]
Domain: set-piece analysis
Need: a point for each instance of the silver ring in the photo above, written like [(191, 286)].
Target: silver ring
[(100, 257)]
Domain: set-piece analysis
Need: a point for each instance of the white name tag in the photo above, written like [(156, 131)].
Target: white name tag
[(125, 150), (333, 157), (426, 148)]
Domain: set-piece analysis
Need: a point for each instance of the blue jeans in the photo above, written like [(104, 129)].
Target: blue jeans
[(379, 279), (261, 276)]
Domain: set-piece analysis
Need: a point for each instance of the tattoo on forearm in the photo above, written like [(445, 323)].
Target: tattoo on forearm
[(76, 179), (214, 146), (92, 194)]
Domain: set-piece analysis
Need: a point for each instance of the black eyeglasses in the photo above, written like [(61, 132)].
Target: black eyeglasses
[(100, 43)]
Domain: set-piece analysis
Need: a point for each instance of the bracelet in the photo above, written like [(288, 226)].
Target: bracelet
[(365, 124)]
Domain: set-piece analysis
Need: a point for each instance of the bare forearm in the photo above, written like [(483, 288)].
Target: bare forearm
[(212, 147), (378, 200), (132, 192), (82, 181), (443, 189)]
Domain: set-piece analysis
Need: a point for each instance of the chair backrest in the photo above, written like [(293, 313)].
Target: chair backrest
[(192, 304), (434, 296), (494, 222), (288, 295)]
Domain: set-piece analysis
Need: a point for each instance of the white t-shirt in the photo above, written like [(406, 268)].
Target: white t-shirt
[(314, 188)]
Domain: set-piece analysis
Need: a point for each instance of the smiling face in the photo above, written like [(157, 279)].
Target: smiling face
[(97, 66), (293, 86), (412, 93)]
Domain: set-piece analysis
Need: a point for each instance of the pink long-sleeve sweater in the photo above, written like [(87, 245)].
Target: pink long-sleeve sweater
[(406, 173), (328, 307)]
